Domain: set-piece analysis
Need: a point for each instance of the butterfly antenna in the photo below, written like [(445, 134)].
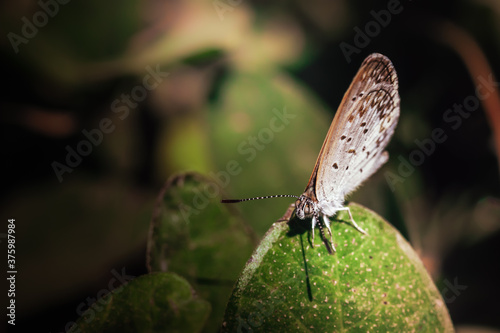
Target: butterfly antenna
[(258, 198)]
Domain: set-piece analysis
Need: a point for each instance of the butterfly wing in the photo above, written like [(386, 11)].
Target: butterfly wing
[(363, 125)]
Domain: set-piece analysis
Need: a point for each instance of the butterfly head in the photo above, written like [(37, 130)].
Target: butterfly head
[(305, 207)]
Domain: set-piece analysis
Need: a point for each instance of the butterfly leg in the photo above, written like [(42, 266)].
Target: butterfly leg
[(354, 222), (314, 221), (327, 223)]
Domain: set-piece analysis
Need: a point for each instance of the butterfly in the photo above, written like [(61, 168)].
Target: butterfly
[(354, 147)]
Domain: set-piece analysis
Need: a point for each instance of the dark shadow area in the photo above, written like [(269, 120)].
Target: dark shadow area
[(308, 282), (298, 226)]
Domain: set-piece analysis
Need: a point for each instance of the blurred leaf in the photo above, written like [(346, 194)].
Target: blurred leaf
[(159, 302), (273, 129), (192, 234), (184, 32), (60, 48), (372, 283), (104, 33), (195, 27), (183, 146)]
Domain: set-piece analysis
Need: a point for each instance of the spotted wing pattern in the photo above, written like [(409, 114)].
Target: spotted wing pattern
[(363, 125)]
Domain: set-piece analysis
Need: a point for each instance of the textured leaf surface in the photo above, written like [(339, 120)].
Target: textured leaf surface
[(373, 283), (159, 302), (195, 236)]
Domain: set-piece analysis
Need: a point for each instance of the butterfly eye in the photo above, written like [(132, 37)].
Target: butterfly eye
[(301, 208)]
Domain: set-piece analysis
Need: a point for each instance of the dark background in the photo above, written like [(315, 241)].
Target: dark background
[(72, 234)]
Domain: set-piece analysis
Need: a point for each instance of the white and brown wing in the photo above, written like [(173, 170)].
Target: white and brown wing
[(363, 125)]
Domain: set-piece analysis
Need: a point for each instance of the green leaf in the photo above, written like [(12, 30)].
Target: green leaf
[(194, 235), (374, 282), (160, 302)]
